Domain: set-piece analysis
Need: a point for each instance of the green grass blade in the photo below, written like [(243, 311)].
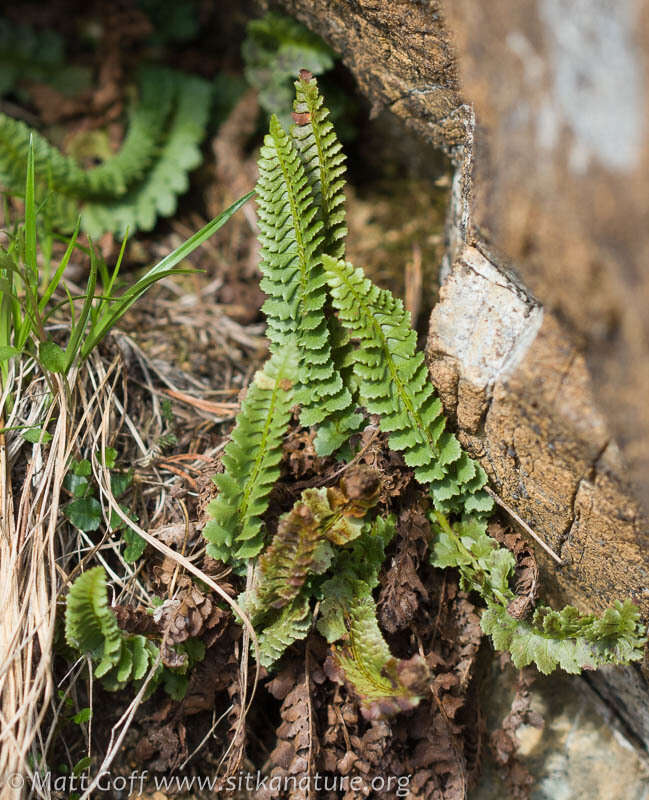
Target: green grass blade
[(161, 270), (56, 278), (79, 327), (30, 216)]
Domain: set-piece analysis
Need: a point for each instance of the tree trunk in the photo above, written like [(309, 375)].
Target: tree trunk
[(542, 106)]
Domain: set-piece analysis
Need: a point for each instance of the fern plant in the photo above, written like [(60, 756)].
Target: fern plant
[(251, 462), (120, 658), (137, 184), (355, 352), (91, 628)]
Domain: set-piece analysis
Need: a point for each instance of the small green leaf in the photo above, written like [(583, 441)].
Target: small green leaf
[(52, 357), (135, 545), (82, 467), (120, 481), (82, 716), (36, 435), (81, 766), (175, 684), (84, 513), (195, 649), (78, 486), (110, 457)]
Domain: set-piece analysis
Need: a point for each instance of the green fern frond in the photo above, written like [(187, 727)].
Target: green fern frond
[(164, 178), (291, 239), (251, 461), (324, 164), (394, 383), (484, 566), (355, 573), (323, 160), (563, 638), (91, 628), (384, 684), (275, 49), (567, 639), (292, 624), (138, 183)]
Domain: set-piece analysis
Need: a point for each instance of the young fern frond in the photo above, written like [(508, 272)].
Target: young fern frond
[(91, 627), (324, 165), (251, 460), (323, 160), (565, 638), (394, 383), (290, 238)]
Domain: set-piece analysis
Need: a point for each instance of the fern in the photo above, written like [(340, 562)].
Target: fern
[(563, 638), (91, 628), (394, 383), (369, 666), (354, 574), (138, 183), (251, 461), (290, 239), (354, 346), (301, 545), (176, 154), (324, 165)]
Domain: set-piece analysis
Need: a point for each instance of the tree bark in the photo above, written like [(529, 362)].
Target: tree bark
[(542, 107)]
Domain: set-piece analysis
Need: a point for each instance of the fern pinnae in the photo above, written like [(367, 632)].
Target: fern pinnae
[(251, 461), (394, 383), (323, 159), (290, 238)]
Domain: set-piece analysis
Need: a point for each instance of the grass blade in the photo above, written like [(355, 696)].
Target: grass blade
[(161, 270)]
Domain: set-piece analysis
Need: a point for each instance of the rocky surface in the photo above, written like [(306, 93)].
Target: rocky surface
[(580, 753)]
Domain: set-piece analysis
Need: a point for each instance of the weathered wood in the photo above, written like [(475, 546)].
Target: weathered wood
[(561, 183)]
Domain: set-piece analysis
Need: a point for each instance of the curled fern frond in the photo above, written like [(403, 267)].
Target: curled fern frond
[(138, 183), (394, 383), (251, 461), (301, 545), (164, 170), (91, 628)]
